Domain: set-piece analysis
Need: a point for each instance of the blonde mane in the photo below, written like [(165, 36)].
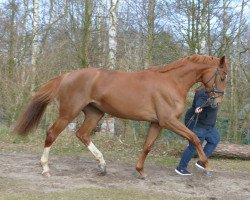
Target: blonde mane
[(198, 59)]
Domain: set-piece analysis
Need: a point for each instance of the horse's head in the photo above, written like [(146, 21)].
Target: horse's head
[(214, 81)]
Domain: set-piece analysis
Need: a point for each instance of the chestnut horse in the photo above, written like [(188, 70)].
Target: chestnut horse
[(156, 95)]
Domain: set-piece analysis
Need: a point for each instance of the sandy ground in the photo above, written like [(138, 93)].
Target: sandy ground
[(73, 172)]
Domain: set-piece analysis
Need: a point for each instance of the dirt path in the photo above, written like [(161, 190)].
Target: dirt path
[(72, 172)]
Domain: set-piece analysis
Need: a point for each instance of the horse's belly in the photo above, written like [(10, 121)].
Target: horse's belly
[(127, 111)]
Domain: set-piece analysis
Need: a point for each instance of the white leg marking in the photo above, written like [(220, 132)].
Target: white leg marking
[(96, 153), (44, 160)]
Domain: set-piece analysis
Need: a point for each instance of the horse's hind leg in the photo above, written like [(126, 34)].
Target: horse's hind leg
[(52, 134), (92, 117), (65, 116)]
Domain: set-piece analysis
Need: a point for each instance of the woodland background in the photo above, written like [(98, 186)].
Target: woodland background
[(41, 39)]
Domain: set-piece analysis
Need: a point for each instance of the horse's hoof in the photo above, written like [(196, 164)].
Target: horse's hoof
[(102, 170), (208, 173), (139, 176), (46, 174), (144, 178)]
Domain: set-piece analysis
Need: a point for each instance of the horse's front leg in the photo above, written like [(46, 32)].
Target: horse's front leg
[(176, 126), (153, 132)]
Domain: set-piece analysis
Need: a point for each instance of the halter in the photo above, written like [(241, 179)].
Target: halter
[(214, 90)]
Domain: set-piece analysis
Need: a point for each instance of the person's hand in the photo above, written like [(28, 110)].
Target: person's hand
[(198, 110)]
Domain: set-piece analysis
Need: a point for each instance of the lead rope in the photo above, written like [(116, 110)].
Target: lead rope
[(196, 115)]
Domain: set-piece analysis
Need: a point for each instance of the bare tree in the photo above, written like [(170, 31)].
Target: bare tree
[(35, 33), (25, 35), (203, 33), (86, 33), (112, 34), (235, 75), (99, 27), (150, 34), (11, 50)]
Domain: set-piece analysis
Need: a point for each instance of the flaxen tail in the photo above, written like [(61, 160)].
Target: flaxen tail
[(34, 111)]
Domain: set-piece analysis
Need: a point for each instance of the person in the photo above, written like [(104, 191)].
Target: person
[(201, 119)]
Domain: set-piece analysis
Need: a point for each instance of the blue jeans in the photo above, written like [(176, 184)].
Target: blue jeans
[(212, 138)]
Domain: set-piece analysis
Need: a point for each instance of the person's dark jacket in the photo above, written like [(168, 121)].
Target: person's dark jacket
[(206, 118)]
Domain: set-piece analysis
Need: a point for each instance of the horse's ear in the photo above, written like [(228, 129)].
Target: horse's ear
[(222, 61)]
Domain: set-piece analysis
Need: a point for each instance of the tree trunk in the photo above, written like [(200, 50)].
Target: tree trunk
[(99, 29), (192, 42), (197, 27), (232, 151), (209, 39), (150, 36), (25, 37), (86, 33), (203, 26), (225, 22), (112, 34), (11, 59), (35, 33), (113, 48)]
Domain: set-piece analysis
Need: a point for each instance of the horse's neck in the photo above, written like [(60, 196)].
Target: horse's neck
[(188, 75)]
